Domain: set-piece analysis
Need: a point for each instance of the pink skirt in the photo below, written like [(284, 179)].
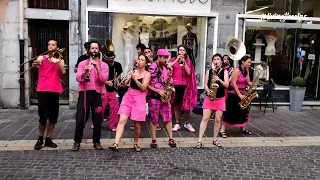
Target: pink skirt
[(133, 105), (219, 104)]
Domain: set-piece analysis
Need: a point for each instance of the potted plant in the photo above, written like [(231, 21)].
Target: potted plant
[(297, 91)]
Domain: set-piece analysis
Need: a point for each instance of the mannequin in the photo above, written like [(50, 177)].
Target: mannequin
[(190, 40), (264, 69), (128, 36), (144, 35), (271, 40)]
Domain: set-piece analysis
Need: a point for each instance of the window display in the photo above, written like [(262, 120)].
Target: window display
[(156, 32), (284, 53)]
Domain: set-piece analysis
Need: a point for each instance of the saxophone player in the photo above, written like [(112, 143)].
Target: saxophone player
[(235, 116), (219, 76), (159, 76)]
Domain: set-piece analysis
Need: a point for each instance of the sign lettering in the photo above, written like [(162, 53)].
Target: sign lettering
[(282, 17)]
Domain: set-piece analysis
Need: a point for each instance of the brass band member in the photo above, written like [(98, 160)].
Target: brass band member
[(218, 105), (111, 97), (48, 91), (133, 104), (184, 80), (91, 75), (159, 76), (235, 116)]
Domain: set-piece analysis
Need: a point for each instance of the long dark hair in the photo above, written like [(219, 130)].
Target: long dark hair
[(185, 48), (243, 59), (147, 61)]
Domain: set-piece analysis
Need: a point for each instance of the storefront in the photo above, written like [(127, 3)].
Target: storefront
[(284, 44), (156, 24)]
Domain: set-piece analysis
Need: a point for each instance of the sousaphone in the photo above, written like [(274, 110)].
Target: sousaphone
[(235, 49)]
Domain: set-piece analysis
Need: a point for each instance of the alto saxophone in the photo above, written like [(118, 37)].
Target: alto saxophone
[(213, 86), (125, 78), (250, 94), (168, 89)]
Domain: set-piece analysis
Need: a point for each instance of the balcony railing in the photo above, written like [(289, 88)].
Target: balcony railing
[(49, 4)]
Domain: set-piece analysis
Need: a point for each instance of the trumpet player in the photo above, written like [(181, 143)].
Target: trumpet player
[(48, 91), (111, 97), (235, 116), (184, 80), (218, 105), (91, 75), (159, 76)]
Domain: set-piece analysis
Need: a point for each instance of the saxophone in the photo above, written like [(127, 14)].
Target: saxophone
[(250, 94), (168, 89), (213, 85)]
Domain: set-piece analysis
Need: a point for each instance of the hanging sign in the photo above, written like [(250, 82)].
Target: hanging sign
[(158, 6), (283, 17), (312, 56)]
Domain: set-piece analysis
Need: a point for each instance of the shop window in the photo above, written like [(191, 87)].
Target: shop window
[(128, 30), (282, 51), (99, 26)]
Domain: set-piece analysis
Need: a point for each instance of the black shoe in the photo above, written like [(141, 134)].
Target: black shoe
[(97, 146), (38, 144), (49, 143), (75, 147)]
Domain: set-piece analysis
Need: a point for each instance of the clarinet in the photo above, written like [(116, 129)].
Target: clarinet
[(87, 79)]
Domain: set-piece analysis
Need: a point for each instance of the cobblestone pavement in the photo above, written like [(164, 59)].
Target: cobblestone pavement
[(252, 163), (22, 125)]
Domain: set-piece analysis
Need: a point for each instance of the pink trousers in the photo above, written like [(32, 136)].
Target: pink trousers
[(110, 97)]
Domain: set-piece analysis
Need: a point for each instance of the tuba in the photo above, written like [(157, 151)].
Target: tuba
[(213, 85), (168, 88), (251, 93), (235, 49)]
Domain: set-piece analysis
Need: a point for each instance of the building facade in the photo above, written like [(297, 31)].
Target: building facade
[(73, 22)]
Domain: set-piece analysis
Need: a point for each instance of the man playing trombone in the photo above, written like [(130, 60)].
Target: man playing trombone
[(51, 67)]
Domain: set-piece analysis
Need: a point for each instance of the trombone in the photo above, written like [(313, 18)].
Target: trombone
[(54, 56)]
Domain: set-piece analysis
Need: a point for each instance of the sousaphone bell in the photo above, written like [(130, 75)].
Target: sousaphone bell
[(235, 49)]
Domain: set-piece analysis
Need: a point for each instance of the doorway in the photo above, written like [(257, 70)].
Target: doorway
[(40, 32)]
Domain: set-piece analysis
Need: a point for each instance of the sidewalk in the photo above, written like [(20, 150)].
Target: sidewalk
[(282, 127)]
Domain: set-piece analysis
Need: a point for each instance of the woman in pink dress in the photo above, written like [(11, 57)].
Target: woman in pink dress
[(133, 104), (235, 116), (184, 80), (219, 104)]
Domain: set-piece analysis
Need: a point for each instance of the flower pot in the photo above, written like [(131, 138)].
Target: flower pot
[(296, 98)]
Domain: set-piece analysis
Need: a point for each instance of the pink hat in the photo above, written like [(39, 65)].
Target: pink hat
[(163, 52)]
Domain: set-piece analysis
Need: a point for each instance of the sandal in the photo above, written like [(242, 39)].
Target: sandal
[(114, 147), (172, 143), (199, 145), (223, 134), (245, 131), (154, 144), (136, 148), (216, 143)]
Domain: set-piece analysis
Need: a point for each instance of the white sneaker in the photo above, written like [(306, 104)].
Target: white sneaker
[(189, 127), (176, 127)]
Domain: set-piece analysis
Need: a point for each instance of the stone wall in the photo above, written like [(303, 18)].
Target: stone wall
[(227, 10), (9, 55)]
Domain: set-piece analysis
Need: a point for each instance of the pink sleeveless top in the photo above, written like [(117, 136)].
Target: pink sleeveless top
[(49, 77), (241, 82)]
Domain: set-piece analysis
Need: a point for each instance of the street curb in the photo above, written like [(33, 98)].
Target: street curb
[(66, 144)]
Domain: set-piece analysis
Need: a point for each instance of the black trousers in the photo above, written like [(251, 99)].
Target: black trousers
[(93, 101), (48, 107)]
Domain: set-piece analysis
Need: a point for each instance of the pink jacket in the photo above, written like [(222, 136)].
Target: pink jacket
[(97, 81)]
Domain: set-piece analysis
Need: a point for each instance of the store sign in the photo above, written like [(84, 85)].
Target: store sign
[(162, 6), (283, 17)]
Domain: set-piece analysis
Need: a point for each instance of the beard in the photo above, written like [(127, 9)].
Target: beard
[(94, 54)]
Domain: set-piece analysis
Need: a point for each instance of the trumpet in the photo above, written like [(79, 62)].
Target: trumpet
[(181, 60), (54, 56)]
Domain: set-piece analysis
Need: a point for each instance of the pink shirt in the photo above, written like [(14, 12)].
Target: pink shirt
[(49, 77), (97, 81), (158, 76), (179, 76)]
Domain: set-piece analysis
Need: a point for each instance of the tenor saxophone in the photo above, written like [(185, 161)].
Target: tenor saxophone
[(169, 89), (213, 86), (250, 94)]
